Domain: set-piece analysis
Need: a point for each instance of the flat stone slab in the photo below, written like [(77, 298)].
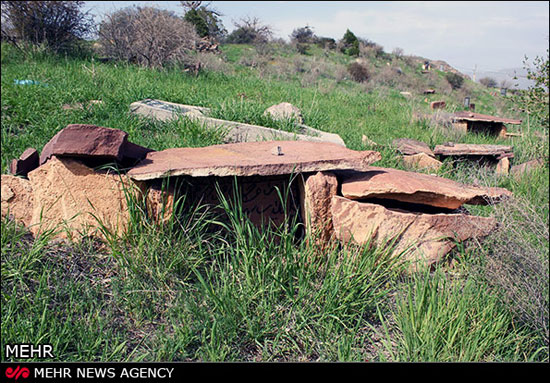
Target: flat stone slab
[(85, 140), (422, 239), (408, 146), (251, 158), (234, 131), (452, 149), (399, 185)]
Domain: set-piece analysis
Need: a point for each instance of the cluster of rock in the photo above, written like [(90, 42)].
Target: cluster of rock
[(335, 190), (418, 155)]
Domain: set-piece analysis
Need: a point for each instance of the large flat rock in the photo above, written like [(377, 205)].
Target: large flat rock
[(472, 150), (251, 158), (411, 187), (422, 239), (408, 146)]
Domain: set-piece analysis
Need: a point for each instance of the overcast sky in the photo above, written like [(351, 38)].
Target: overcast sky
[(492, 35)]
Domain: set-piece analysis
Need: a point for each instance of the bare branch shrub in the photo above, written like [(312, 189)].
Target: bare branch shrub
[(57, 24), (147, 36), (250, 30), (358, 72)]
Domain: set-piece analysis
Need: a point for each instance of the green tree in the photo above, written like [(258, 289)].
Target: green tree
[(206, 20), (350, 44)]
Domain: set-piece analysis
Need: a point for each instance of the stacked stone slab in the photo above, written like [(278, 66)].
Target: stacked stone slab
[(416, 154), (416, 213), (336, 193)]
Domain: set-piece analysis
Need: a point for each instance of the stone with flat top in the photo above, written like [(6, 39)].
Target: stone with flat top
[(251, 159)]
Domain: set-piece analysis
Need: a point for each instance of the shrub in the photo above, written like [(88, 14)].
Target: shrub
[(250, 31), (326, 42), (489, 82), (207, 21), (349, 44), (147, 36), (57, 24), (535, 99), (358, 72), (302, 35), (454, 79)]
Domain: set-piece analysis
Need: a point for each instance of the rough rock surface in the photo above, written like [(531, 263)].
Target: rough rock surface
[(422, 161), (80, 140), (452, 149), (69, 195), (408, 146), (283, 111), (518, 170), (17, 198), (503, 166), (317, 198), (27, 162), (422, 239), (251, 158), (386, 183), (160, 204)]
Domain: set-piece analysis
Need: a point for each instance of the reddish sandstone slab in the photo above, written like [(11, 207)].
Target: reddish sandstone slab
[(265, 158), (80, 140), (422, 239), (27, 162), (386, 183), (453, 149)]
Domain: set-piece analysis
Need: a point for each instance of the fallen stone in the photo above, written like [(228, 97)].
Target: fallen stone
[(422, 239), (251, 158), (80, 140), (75, 199), (408, 146), (28, 161), (526, 167), (422, 161), (452, 149), (438, 105), (17, 199), (399, 185), (233, 131), (317, 198), (284, 111), (503, 166)]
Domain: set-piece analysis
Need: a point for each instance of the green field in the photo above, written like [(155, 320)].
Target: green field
[(183, 293)]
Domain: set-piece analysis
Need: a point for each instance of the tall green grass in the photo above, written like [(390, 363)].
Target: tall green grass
[(182, 291)]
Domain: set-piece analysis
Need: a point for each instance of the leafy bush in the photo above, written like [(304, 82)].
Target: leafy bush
[(326, 42), (148, 36), (349, 44), (454, 79), (535, 99), (303, 35), (207, 21), (358, 72), (57, 24), (250, 31), (489, 82)]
